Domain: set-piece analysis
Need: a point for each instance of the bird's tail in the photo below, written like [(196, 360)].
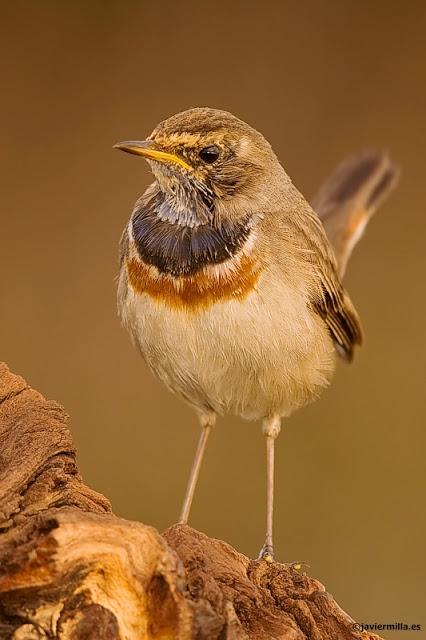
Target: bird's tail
[(349, 197)]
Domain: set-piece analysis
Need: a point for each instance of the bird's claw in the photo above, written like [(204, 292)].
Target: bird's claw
[(266, 553)]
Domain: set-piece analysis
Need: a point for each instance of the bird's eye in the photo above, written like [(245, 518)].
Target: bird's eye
[(210, 154)]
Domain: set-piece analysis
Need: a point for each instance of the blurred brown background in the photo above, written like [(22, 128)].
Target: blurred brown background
[(319, 79)]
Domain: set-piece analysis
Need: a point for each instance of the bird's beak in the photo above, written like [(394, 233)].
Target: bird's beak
[(145, 148)]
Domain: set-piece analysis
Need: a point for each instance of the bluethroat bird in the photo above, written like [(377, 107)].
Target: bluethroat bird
[(230, 282)]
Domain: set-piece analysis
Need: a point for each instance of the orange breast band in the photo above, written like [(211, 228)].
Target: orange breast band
[(196, 291)]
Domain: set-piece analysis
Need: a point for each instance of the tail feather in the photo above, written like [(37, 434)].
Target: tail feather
[(349, 197)]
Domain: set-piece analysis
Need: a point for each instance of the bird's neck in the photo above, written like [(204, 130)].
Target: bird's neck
[(173, 239)]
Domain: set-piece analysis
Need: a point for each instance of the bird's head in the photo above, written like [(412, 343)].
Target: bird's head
[(208, 165)]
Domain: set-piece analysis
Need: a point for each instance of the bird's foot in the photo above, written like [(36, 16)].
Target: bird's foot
[(266, 553)]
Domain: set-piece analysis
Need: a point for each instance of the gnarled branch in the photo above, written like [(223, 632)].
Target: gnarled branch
[(70, 569)]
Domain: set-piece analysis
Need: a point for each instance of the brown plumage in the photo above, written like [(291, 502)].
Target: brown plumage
[(228, 284), (350, 196)]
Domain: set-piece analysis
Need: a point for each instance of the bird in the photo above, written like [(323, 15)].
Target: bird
[(230, 282)]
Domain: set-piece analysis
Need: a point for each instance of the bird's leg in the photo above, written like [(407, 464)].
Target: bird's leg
[(271, 428), (207, 421)]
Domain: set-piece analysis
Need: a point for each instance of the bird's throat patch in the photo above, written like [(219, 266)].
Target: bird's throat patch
[(180, 250), (197, 291)]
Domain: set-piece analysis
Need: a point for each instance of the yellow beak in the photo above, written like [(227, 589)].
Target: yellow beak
[(144, 148)]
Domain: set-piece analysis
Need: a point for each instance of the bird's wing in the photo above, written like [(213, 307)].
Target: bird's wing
[(336, 309), (123, 247), (328, 297)]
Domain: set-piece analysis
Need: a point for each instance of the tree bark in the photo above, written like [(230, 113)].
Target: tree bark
[(70, 569)]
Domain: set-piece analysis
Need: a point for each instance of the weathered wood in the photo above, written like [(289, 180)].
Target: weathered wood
[(70, 569)]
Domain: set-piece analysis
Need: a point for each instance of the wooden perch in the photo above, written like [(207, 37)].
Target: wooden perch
[(70, 569)]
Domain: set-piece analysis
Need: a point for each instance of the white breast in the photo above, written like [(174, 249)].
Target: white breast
[(266, 354)]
